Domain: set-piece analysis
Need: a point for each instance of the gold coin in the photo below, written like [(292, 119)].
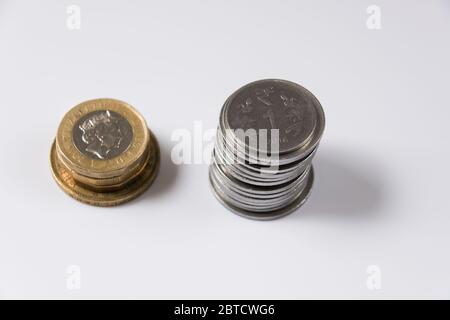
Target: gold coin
[(86, 145), (113, 181), (103, 153)]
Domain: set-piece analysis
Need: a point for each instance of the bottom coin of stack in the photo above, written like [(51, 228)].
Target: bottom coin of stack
[(268, 134), (104, 154)]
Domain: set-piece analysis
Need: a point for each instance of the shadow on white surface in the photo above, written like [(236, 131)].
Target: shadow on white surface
[(348, 184), (167, 174)]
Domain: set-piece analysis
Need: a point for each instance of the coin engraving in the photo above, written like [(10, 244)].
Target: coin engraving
[(275, 105), (103, 153), (266, 180), (102, 134), (263, 95)]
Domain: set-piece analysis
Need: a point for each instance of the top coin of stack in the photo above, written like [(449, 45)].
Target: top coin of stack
[(268, 134), (103, 153)]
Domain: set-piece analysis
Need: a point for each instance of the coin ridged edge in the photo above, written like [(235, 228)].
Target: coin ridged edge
[(290, 208), (315, 136), (101, 168), (107, 199)]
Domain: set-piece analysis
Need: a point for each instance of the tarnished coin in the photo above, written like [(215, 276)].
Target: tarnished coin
[(268, 134), (103, 153)]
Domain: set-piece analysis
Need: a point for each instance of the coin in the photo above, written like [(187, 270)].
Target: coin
[(102, 134), (268, 134), (276, 214), (103, 137), (104, 154)]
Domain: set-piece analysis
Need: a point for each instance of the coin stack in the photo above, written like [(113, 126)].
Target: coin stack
[(268, 134), (104, 154)]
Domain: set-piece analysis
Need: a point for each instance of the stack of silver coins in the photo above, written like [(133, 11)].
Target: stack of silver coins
[(268, 134)]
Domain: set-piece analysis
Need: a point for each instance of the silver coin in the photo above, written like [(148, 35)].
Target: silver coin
[(277, 104), (226, 156), (265, 216), (102, 134), (272, 177)]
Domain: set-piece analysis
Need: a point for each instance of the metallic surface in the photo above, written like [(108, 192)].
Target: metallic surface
[(251, 214), (245, 177), (102, 168), (102, 134), (104, 154), (276, 104)]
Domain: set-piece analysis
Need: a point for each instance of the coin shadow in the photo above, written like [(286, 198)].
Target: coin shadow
[(347, 185), (167, 174)]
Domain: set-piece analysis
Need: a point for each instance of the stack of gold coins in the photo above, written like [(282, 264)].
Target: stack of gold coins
[(104, 154)]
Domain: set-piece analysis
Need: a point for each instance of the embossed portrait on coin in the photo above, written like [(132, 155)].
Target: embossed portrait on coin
[(102, 134)]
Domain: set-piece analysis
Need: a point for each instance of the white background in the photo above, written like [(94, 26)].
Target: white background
[(381, 195)]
